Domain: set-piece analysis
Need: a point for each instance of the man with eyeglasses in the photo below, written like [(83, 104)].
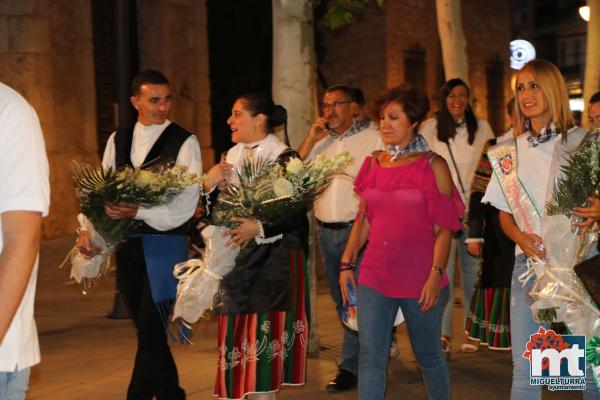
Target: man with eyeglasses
[(334, 132)]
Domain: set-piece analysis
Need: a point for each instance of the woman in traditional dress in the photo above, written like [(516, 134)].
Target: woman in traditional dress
[(409, 206), (489, 317), (544, 131), (263, 321), (458, 136)]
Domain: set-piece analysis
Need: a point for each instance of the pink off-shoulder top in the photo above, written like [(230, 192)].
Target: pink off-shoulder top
[(403, 204)]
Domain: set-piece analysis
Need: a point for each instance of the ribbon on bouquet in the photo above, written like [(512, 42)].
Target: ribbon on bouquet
[(195, 290), (87, 270), (200, 279)]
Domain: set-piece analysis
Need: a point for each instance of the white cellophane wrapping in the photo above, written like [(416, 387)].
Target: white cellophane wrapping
[(199, 279), (556, 284), (90, 268)]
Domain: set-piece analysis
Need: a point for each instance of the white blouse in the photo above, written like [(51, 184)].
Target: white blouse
[(466, 156)]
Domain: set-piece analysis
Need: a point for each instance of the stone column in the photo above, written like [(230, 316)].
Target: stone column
[(46, 55), (173, 39)]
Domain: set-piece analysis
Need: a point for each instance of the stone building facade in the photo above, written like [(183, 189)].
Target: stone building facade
[(47, 55), (399, 43)]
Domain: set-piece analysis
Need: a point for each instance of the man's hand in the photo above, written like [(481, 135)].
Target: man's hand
[(21, 231), (318, 130), (121, 210), (85, 245)]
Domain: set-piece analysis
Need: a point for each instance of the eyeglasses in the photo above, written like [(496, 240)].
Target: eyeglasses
[(335, 104)]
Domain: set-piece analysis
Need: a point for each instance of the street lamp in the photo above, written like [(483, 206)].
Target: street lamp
[(584, 12)]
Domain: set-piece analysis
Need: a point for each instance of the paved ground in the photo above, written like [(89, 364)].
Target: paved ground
[(86, 356)]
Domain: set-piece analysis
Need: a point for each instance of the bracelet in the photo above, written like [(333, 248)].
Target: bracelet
[(346, 266), (437, 269)]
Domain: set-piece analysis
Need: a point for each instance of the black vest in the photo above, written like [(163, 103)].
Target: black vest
[(163, 152)]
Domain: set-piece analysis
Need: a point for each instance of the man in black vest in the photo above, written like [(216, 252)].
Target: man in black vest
[(145, 260)]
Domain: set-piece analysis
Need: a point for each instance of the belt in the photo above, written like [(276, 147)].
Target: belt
[(335, 225)]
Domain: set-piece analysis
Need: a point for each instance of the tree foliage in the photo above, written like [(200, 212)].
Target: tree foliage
[(341, 12)]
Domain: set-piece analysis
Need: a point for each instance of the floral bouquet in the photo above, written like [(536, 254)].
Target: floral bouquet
[(558, 292), (269, 192), (95, 187)]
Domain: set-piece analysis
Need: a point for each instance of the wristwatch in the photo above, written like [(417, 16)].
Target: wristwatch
[(438, 269)]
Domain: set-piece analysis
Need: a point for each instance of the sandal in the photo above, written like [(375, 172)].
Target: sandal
[(468, 348)]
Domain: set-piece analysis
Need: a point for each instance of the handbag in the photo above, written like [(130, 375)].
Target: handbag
[(457, 234), (589, 273)]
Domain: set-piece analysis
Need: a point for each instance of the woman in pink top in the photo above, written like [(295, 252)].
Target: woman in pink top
[(410, 207)]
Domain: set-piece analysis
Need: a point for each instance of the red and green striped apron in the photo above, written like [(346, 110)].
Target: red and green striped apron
[(260, 352)]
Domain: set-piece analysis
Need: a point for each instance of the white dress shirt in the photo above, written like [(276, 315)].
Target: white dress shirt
[(339, 203), (182, 207)]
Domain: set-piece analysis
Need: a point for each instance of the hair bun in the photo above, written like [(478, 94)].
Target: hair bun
[(278, 116)]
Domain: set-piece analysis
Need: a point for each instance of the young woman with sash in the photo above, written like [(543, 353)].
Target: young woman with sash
[(522, 178), (409, 208), (263, 321)]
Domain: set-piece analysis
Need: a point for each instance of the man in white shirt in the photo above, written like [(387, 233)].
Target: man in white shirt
[(145, 260), (335, 132), (24, 199)]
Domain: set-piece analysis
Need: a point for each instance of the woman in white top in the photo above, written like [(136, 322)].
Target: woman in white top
[(544, 131), (458, 136)]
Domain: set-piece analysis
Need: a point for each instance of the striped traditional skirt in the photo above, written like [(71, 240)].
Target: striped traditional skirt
[(261, 352), (488, 320)]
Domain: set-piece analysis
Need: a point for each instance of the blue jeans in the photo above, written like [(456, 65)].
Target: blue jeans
[(14, 385), (522, 326), (469, 267), (331, 244), (376, 314)]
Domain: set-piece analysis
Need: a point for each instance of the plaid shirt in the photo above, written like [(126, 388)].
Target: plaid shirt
[(355, 128), (546, 134), (417, 145)]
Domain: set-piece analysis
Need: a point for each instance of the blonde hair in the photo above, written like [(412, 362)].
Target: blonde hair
[(554, 88)]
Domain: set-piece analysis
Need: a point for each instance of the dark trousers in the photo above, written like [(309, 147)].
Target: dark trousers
[(154, 372)]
